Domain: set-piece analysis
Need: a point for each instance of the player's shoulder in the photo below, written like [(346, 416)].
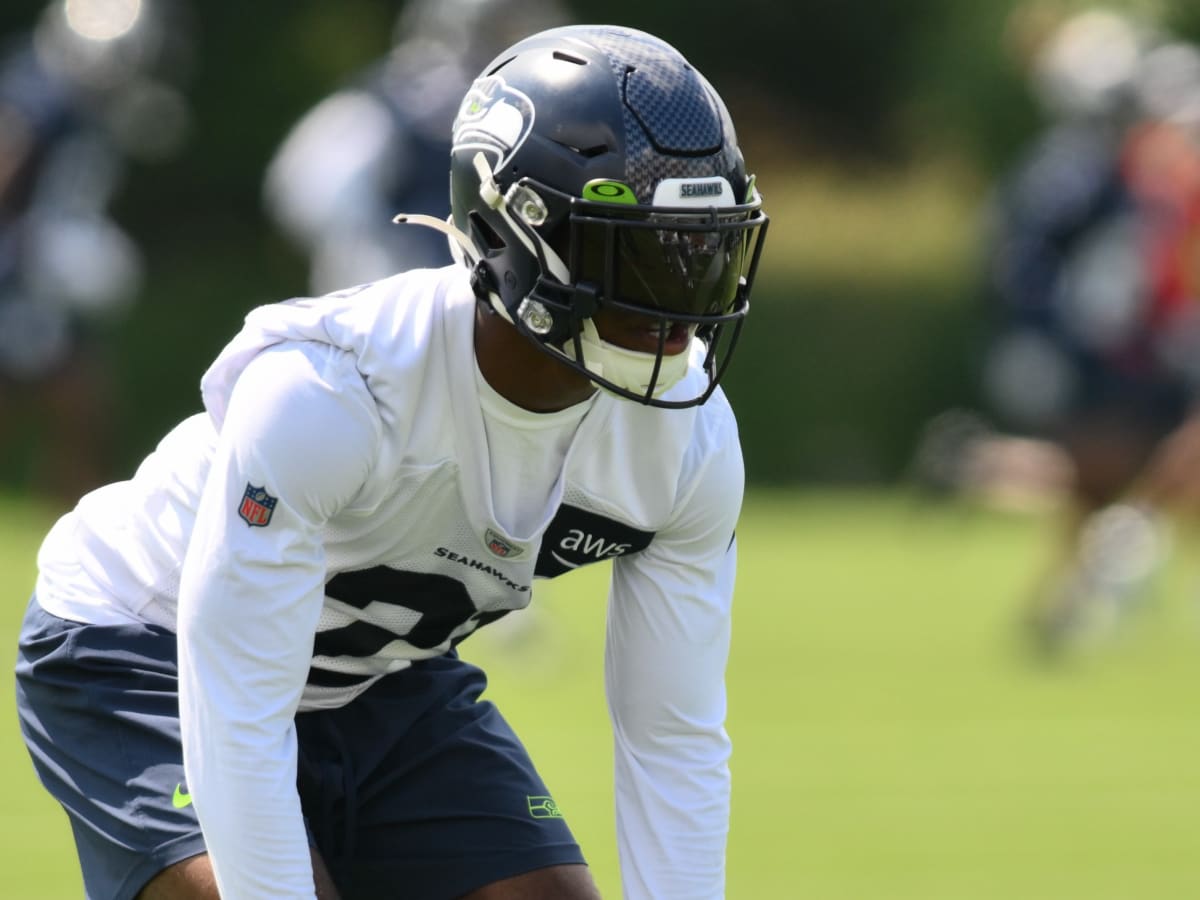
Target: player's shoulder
[(716, 419), (391, 321), (684, 470), (668, 455), (390, 327), (702, 430), (407, 318), (716, 446), (412, 291)]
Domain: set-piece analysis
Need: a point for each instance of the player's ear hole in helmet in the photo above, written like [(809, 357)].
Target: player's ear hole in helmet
[(602, 203)]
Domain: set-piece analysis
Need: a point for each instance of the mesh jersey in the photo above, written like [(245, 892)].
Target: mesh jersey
[(340, 486)]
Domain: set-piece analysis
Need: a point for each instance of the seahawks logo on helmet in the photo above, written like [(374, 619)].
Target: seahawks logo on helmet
[(494, 118)]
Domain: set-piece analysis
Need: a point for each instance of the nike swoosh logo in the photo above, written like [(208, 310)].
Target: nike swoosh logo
[(180, 799)]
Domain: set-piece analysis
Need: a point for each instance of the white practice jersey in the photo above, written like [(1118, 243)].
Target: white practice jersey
[(344, 505)]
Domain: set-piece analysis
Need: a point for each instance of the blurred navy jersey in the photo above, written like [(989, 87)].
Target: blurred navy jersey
[(1076, 314), (88, 87), (380, 144), (363, 154), (63, 261), (1093, 311)]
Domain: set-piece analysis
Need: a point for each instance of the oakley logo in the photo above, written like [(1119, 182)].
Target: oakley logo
[(607, 191)]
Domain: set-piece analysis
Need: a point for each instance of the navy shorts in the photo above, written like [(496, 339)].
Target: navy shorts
[(417, 782)]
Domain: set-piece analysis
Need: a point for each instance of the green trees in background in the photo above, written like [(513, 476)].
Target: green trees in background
[(874, 125)]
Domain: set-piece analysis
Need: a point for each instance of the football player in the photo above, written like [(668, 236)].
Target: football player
[(239, 672), (1096, 327)]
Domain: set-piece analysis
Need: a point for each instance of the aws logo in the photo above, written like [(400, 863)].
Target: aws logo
[(577, 537), (591, 547)]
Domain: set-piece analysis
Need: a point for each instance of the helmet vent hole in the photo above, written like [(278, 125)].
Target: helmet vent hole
[(500, 65), (567, 57), (586, 152), (485, 234)]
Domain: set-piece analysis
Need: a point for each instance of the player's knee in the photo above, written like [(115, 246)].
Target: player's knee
[(566, 882), (193, 879), (188, 879)]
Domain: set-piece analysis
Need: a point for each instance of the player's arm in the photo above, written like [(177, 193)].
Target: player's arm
[(300, 426), (666, 651)]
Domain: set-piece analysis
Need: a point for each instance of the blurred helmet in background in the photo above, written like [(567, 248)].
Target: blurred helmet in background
[(1167, 84), (130, 60), (473, 31), (1088, 66), (381, 142)]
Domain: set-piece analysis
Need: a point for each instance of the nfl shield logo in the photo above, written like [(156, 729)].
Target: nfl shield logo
[(501, 547), (257, 506)]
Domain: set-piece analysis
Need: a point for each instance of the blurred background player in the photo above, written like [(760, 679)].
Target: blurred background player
[(381, 143), (93, 84), (1094, 249)]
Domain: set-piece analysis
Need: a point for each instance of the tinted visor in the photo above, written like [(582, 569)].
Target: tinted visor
[(686, 263)]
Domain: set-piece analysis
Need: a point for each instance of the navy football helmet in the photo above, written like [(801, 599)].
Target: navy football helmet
[(595, 171)]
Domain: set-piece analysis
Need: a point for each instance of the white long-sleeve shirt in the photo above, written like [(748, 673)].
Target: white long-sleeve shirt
[(345, 504)]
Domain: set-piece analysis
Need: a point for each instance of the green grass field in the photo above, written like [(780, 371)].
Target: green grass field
[(891, 738)]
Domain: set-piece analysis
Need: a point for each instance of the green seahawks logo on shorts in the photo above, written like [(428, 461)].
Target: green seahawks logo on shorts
[(544, 808)]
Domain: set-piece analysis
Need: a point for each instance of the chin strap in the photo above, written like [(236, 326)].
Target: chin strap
[(628, 369), (460, 245), (462, 251)]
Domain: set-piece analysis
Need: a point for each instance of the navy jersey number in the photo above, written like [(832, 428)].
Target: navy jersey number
[(443, 603)]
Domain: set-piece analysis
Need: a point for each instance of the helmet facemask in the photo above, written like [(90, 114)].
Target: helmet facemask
[(678, 274)]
